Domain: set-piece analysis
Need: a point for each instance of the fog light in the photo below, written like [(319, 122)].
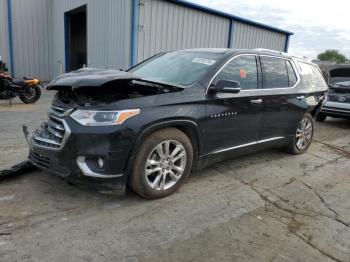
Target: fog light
[(100, 163)]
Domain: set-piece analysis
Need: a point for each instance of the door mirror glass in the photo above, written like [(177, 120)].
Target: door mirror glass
[(226, 86)]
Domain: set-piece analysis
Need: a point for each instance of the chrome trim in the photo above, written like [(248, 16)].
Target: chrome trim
[(54, 132), (238, 89), (88, 172), (64, 140), (256, 101), (248, 144), (51, 123), (270, 139), (337, 105), (66, 112), (45, 141), (296, 71)]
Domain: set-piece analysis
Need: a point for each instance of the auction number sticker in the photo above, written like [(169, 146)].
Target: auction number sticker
[(203, 61)]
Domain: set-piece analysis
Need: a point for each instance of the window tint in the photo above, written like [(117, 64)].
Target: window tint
[(311, 75), (242, 69), (274, 72), (292, 78)]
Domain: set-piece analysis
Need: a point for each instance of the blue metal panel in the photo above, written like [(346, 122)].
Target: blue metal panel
[(66, 42), (237, 18), (229, 42), (231, 34), (10, 38), (134, 30), (286, 45)]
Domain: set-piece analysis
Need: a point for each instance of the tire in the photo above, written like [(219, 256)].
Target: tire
[(304, 133), (34, 95), (321, 117), (147, 182)]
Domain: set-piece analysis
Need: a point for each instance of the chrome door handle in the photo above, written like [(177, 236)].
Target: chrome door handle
[(256, 101), (300, 97)]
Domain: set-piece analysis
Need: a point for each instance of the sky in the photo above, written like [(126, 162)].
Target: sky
[(317, 25)]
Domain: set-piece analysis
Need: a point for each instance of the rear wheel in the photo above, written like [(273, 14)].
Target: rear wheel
[(162, 163), (32, 95), (301, 141)]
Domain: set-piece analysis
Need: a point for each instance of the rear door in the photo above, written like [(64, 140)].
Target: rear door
[(234, 119), (283, 106)]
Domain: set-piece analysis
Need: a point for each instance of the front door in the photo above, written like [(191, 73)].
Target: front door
[(234, 119)]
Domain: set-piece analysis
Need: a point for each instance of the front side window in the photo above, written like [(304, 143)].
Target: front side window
[(274, 72), (242, 69), (179, 67)]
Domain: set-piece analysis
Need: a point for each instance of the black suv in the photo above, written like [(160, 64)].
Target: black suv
[(176, 112)]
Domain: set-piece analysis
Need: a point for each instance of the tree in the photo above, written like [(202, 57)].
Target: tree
[(332, 55)]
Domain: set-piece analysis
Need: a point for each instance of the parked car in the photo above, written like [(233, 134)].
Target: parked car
[(176, 112), (337, 103)]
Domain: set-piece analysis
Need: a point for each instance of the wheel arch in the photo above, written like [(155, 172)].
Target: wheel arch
[(189, 127)]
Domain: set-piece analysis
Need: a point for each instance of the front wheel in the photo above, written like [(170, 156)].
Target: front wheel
[(32, 95), (301, 141), (162, 164)]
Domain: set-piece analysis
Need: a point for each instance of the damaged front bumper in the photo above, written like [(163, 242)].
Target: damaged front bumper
[(97, 156)]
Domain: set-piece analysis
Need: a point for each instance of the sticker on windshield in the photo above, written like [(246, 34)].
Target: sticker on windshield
[(203, 61)]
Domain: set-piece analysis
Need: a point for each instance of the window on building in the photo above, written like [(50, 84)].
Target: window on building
[(242, 69)]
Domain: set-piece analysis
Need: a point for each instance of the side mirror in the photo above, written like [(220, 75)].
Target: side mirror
[(226, 86)]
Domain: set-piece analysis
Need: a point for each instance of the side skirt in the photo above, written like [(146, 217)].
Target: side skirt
[(240, 150)]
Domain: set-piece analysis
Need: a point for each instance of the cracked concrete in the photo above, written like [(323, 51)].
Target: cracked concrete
[(268, 206)]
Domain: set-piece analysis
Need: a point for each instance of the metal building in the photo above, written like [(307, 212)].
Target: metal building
[(44, 37)]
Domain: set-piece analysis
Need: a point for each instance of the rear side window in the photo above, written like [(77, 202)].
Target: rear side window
[(242, 69), (274, 71), (312, 75), (292, 78)]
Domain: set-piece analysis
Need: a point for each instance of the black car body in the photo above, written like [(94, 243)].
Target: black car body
[(337, 103), (259, 102)]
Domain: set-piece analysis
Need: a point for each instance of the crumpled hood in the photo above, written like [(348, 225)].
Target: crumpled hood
[(89, 77)]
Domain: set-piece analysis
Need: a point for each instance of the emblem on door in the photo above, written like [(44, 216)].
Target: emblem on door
[(221, 115)]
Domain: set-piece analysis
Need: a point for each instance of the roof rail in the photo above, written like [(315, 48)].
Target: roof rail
[(269, 50)]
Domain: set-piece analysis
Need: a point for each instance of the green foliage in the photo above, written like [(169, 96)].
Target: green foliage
[(332, 55), (3, 67)]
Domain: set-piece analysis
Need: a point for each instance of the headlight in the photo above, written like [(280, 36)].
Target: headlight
[(103, 118)]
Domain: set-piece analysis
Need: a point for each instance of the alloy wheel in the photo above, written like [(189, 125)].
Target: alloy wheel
[(165, 165), (304, 134)]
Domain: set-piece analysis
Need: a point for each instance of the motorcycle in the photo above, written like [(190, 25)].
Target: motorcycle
[(28, 89)]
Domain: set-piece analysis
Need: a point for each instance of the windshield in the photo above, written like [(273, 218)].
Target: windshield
[(343, 83), (179, 68)]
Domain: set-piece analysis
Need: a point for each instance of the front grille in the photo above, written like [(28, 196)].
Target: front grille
[(339, 98), (53, 132), (40, 160)]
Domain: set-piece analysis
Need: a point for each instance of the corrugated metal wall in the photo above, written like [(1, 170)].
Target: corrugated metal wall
[(3, 31), (39, 37), (248, 36), (166, 26), (108, 33), (31, 37)]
